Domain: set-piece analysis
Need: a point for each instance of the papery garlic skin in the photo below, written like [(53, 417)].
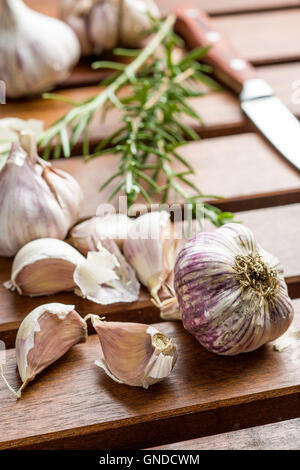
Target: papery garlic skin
[(103, 25), (36, 200), (43, 267), (219, 307), (10, 128), (36, 51), (134, 354), (150, 248), (86, 235), (44, 336), (105, 277), (135, 20)]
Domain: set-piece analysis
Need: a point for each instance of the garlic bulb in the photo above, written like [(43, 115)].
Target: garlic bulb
[(36, 200), (105, 277), (43, 267), (86, 236), (44, 336), (232, 294), (102, 25), (150, 248), (37, 51), (134, 354)]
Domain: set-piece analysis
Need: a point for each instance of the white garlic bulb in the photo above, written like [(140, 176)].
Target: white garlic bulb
[(36, 51), (36, 200), (102, 25), (232, 294), (134, 354)]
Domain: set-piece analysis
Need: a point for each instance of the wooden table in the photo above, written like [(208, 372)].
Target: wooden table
[(73, 404)]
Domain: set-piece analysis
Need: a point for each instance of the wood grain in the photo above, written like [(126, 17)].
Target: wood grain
[(283, 223), (228, 119), (50, 7), (277, 436), (75, 403), (269, 46), (249, 167)]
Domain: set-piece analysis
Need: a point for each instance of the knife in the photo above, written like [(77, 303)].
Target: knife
[(257, 100)]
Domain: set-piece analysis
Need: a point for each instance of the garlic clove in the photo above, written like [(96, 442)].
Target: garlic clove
[(37, 51), (36, 200), (105, 277), (44, 336), (85, 236), (45, 266), (104, 25), (288, 339), (134, 354), (80, 27), (67, 192), (151, 248), (28, 208), (108, 23), (135, 20)]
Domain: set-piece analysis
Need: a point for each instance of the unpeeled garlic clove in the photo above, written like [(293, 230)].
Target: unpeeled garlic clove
[(44, 336), (134, 354), (45, 266), (135, 20), (37, 51), (151, 249), (86, 235), (103, 25), (104, 28), (36, 200), (105, 277)]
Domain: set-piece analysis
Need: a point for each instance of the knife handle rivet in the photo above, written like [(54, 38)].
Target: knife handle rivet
[(213, 36), (237, 64), (192, 12)]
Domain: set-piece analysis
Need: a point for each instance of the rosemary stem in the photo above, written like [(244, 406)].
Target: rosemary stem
[(105, 95)]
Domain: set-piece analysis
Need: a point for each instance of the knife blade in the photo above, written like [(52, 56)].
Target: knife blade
[(273, 119)]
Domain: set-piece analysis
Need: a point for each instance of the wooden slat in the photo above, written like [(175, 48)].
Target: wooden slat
[(277, 230), (50, 7), (74, 403), (277, 436), (220, 111), (273, 46), (249, 167), (277, 35)]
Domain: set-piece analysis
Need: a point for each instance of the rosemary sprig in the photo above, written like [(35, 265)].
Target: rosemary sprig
[(151, 129)]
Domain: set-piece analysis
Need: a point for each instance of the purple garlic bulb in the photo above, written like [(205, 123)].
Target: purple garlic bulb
[(231, 293)]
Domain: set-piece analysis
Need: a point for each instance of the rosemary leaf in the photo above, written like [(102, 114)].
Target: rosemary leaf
[(152, 126)]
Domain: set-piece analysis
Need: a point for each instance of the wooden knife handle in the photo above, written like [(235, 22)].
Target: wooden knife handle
[(197, 29)]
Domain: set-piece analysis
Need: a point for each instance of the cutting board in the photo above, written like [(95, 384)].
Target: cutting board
[(73, 404)]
